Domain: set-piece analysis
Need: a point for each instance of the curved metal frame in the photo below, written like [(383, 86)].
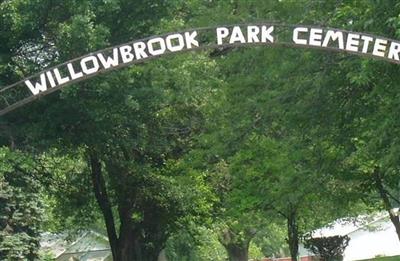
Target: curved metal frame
[(17, 94)]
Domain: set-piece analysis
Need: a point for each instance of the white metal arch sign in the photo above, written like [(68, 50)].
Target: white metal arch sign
[(269, 34)]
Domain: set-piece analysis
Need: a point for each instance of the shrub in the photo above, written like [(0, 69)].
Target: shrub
[(328, 248)]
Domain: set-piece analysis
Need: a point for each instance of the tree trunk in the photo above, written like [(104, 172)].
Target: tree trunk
[(237, 248), (129, 245), (293, 235), (132, 246), (126, 246), (134, 250), (386, 201), (237, 252), (162, 256), (100, 191), (396, 222)]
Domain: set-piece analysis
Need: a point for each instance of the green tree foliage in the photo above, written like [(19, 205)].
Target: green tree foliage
[(274, 161), (252, 136), (195, 244), (341, 107), (129, 128), (353, 107), (20, 207)]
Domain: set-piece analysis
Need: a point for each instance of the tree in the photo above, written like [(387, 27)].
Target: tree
[(129, 127), (346, 104), (274, 182), (313, 115), (195, 243), (20, 207), (358, 101)]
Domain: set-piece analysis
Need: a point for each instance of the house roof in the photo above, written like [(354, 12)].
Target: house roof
[(60, 244), (346, 226)]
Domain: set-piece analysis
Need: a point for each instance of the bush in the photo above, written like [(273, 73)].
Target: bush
[(328, 248)]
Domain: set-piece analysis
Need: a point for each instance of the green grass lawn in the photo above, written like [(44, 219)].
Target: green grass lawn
[(389, 258)]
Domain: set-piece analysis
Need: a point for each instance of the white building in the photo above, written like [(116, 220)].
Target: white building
[(369, 237)]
